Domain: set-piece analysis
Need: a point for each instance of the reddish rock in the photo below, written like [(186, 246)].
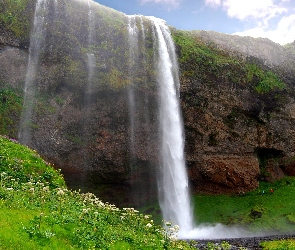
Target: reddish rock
[(225, 174)]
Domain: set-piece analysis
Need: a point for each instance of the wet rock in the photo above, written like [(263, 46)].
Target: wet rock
[(251, 243)]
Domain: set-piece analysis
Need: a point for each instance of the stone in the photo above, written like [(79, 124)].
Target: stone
[(225, 174)]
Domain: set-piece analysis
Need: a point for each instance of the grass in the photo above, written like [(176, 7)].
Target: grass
[(279, 245), (259, 210), (210, 64), (37, 211)]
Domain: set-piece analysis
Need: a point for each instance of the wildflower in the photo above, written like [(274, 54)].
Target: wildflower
[(146, 216), (173, 237), (176, 227), (46, 189), (60, 192), (85, 210), (149, 225), (9, 189), (32, 190)]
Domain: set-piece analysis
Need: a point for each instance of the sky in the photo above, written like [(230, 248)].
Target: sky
[(273, 19)]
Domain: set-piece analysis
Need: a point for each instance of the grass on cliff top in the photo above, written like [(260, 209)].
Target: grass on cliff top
[(37, 211), (208, 63)]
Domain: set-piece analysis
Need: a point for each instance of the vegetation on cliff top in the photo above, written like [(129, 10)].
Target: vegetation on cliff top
[(209, 64), (14, 17), (39, 212)]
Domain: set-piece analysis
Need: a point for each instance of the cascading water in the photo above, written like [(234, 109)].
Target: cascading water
[(173, 181), (133, 55), (37, 40), (55, 4), (90, 56)]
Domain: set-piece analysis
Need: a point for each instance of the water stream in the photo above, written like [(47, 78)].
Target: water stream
[(37, 41), (173, 181)]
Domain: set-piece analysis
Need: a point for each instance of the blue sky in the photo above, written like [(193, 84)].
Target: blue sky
[(274, 19)]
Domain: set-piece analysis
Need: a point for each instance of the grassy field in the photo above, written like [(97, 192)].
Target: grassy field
[(37, 211), (258, 211)]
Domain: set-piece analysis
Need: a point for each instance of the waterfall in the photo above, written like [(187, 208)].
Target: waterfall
[(173, 181), (37, 41), (90, 56), (55, 4), (133, 54)]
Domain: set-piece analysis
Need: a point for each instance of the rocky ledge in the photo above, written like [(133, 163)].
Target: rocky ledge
[(252, 243)]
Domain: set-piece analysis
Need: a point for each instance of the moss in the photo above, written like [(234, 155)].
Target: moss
[(205, 62), (10, 111), (209, 64), (16, 16)]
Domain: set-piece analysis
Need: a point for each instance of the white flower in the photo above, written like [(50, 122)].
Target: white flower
[(60, 192), (85, 210), (176, 227), (9, 189), (146, 216), (173, 237), (46, 189), (149, 225), (32, 190)]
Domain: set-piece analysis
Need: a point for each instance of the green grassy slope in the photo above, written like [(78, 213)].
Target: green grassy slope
[(37, 211)]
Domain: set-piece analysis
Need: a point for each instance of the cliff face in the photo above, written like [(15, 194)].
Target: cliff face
[(98, 121), (236, 133)]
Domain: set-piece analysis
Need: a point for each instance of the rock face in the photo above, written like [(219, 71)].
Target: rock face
[(105, 137), (234, 135), (225, 173)]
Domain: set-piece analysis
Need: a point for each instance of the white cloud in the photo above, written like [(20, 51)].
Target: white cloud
[(243, 9), (283, 33), (213, 3), (170, 3), (269, 18)]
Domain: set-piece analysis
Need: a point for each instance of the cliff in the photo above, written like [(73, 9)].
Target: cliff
[(237, 100), (238, 110)]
